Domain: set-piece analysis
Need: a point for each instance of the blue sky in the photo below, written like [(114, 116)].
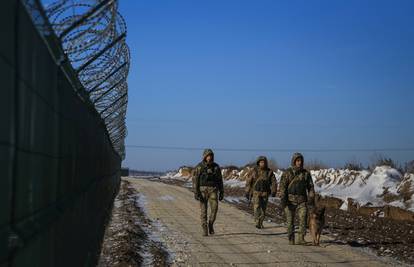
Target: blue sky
[(269, 75)]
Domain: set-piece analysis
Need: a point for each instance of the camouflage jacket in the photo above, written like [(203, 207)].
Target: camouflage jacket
[(261, 181), (208, 175), (296, 184)]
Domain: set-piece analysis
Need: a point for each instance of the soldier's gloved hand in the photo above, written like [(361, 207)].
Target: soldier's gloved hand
[(197, 196), (273, 195), (221, 196)]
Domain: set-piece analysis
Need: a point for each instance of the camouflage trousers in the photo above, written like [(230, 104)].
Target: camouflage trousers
[(260, 200), (209, 198), (291, 210)]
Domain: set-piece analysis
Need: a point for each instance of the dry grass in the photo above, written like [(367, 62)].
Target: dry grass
[(382, 160), (353, 165), (409, 167), (405, 191)]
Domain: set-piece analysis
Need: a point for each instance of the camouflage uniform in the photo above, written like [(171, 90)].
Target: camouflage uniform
[(259, 185), (208, 189), (296, 192)]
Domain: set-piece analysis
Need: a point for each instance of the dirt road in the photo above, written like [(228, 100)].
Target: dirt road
[(236, 242)]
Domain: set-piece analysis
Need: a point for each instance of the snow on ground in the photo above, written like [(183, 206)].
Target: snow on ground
[(175, 175), (278, 175), (167, 198), (234, 183), (233, 199), (365, 187), (361, 186), (153, 228)]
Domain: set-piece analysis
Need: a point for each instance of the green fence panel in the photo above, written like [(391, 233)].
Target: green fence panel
[(60, 170)]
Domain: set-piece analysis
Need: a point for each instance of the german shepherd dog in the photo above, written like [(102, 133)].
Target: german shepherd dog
[(316, 223)]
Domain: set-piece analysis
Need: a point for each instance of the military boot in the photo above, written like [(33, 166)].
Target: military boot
[(301, 240), (210, 228), (261, 224), (291, 239), (257, 223), (205, 231)]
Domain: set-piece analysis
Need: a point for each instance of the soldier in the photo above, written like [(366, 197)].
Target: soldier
[(296, 192), (208, 189), (260, 184)]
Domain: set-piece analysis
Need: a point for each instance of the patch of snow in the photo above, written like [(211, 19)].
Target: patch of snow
[(274, 200), (189, 184), (233, 199), (230, 174), (234, 183), (153, 231), (361, 186), (398, 204), (167, 198), (175, 175), (141, 202), (344, 206), (278, 175)]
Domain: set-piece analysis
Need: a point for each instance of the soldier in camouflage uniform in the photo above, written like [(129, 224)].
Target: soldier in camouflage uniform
[(208, 189), (260, 184), (296, 193)]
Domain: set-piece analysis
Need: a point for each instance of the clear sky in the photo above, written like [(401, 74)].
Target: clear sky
[(269, 74)]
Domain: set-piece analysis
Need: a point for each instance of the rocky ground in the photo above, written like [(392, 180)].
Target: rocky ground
[(128, 238)]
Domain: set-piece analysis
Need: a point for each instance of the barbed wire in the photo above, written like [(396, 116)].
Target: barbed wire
[(92, 34)]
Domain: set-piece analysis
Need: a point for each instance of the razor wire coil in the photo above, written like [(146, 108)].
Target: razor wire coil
[(92, 35)]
